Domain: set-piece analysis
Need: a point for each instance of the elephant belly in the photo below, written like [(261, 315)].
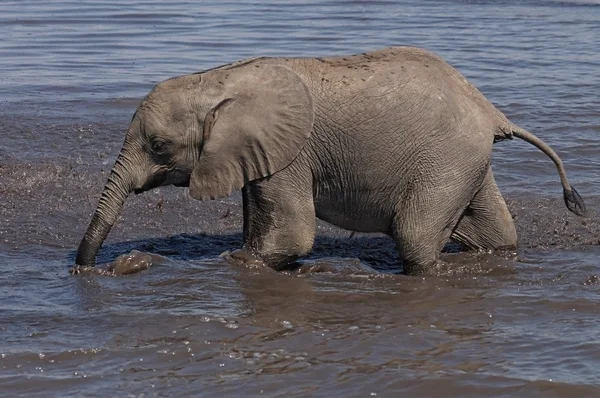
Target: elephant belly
[(363, 216)]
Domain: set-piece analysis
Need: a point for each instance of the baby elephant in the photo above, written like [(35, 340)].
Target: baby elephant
[(394, 141)]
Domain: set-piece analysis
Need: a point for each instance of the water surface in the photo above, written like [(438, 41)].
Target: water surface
[(516, 324)]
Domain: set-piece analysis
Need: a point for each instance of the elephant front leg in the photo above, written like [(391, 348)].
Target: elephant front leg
[(279, 218), (486, 224)]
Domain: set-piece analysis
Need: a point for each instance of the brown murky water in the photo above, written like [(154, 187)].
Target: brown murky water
[(345, 323)]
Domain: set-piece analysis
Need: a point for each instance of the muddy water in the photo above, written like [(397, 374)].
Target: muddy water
[(344, 323)]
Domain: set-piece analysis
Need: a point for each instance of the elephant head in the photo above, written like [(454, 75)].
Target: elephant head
[(213, 131)]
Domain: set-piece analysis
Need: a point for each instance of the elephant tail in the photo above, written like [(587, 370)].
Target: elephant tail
[(573, 200)]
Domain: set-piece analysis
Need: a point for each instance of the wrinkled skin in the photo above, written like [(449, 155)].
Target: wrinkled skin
[(393, 141)]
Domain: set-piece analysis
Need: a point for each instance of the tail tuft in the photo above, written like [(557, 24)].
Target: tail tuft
[(574, 202)]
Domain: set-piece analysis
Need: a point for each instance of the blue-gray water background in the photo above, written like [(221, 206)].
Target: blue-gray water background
[(71, 76)]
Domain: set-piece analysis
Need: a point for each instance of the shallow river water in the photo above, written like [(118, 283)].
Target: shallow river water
[(344, 324)]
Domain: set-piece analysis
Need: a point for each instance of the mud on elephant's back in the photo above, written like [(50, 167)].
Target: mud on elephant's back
[(125, 264)]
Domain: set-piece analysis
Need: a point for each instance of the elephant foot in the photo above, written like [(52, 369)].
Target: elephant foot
[(421, 270), (242, 257)]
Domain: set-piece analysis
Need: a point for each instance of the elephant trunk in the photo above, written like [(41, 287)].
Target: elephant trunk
[(117, 188)]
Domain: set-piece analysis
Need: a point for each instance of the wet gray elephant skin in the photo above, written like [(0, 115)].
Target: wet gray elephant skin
[(393, 141)]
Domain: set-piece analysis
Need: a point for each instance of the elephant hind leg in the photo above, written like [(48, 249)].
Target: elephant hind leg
[(486, 223), (423, 226), (419, 248)]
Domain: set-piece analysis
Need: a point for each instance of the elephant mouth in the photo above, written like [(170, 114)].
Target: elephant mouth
[(160, 180), (183, 184), (154, 182)]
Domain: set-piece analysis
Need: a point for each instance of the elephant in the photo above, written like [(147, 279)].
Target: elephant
[(394, 141)]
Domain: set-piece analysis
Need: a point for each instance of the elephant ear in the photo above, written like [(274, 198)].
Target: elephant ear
[(259, 128)]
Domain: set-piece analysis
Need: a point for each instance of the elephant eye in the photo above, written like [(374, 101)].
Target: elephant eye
[(159, 147)]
